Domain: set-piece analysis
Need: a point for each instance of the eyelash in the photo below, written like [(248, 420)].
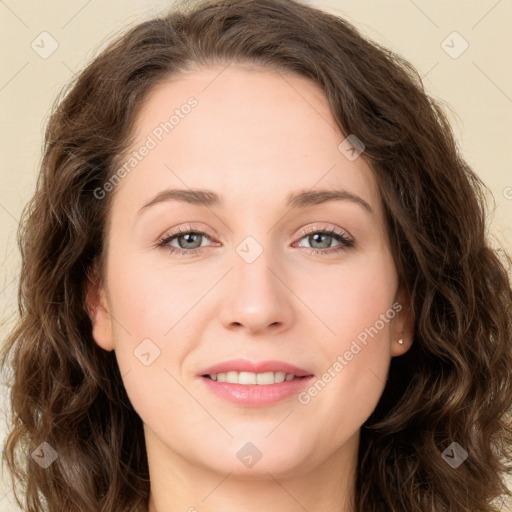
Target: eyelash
[(345, 241)]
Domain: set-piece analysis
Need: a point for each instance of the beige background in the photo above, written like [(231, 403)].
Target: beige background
[(476, 86)]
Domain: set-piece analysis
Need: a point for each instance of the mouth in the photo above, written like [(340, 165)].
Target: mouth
[(255, 384), (244, 371), (251, 378)]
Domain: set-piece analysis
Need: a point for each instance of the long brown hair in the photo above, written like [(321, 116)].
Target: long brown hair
[(453, 385)]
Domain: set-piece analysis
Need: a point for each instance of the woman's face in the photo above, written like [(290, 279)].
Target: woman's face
[(255, 280)]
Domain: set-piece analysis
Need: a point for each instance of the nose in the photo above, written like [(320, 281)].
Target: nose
[(258, 298)]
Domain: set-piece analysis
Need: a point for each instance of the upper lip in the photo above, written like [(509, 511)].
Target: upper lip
[(243, 365)]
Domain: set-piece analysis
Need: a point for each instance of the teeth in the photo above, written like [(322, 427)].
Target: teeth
[(248, 378)]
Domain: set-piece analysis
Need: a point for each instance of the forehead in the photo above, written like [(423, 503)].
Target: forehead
[(254, 132)]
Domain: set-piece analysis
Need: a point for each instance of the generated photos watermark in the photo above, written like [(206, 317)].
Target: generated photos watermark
[(151, 142), (304, 397)]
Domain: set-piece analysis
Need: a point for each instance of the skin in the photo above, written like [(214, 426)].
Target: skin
[(255, 136)]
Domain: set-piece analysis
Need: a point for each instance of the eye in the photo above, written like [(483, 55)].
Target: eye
[(189, 241), (321, 239)]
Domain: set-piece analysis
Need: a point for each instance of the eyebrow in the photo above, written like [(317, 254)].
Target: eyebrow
[(301, 199)]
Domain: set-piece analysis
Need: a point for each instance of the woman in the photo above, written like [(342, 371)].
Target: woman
[(326, 342)]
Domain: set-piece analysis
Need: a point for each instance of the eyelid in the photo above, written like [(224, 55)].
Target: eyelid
[(332, 229), (185, 229)]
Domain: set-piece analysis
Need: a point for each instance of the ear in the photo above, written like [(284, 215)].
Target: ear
[(98, 310), (403, 324)]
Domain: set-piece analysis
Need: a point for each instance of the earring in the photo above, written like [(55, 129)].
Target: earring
[(401, 341)]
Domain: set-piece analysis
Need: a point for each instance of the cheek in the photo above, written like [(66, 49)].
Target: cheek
[(152, 310), (349, 299), (357, 313), (150, 301)]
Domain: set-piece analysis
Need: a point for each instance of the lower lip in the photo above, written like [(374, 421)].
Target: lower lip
[(257, 395)]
